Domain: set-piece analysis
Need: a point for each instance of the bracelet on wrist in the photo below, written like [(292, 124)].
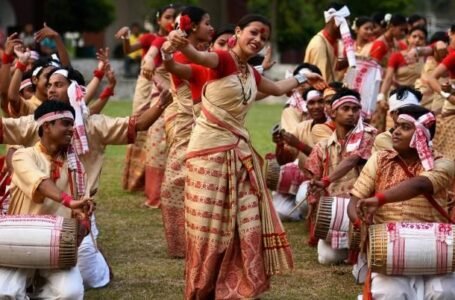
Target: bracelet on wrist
[(260, 69), (98, 74), (7, 58), (166, 56), (300, 78), (20, 66), (66, 199), (357, 223), (326, 181), (106, 93), (381, 199), (301, 146)]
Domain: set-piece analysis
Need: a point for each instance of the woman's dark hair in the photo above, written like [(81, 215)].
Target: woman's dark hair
[(415, 18), (312, 68), (51, 106), (397, 20), (73, 74), (402, 90), (360, 21), (416, 112), (439, 36), (344, 91), (160, 11), (228, 28), (195, 13), (378, 18), (246, 20), (419, 28), (452, 28)]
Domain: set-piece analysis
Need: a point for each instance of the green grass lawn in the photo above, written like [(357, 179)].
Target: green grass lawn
[(133, 240)]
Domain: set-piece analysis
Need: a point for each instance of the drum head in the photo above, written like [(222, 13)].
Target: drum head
[(302, 193)]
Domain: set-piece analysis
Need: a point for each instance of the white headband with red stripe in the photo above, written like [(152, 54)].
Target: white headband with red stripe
[(421, 138), (55, 115), (25, 83), (345, 99), (313, 95)]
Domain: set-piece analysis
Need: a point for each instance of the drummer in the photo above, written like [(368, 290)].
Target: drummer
[(397, 197), (294, 146), (41, 185), (335, 163), (95, 133), (297, 143)]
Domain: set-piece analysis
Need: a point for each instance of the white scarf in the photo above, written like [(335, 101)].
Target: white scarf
[(340, 21)]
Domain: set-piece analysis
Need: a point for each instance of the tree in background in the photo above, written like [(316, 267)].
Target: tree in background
[(296, 21), (79, 15)]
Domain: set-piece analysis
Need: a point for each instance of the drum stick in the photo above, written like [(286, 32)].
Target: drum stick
[(299, 204), (5, 176)]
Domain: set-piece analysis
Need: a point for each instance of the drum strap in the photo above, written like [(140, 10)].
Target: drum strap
[(429, 197), (366, 293)]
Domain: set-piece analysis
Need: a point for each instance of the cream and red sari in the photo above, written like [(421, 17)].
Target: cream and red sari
[(133, 171), (235, 239), (172, 191), (155, 146)]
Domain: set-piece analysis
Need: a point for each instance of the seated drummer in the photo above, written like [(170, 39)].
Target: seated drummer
[(399, 197), (335, 163), (296, 144), (298, 141), (47, 180)]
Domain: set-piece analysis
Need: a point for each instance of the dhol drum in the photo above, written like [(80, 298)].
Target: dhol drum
[(284, 179), (272, 173), (354, 238), (366, 79), (5, 181), (400, 248), (38, 242), (332, 221)]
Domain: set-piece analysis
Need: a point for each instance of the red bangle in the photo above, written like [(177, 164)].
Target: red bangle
[(98, 74), (7, 58), (326, 181), (106, 93), (300, 146), (381, 199), (66, 199), (21, 66), (357, 223)]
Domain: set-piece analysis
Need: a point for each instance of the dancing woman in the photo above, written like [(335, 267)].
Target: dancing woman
[(148, 147), (179, 121), (390, 41), (234, 239)]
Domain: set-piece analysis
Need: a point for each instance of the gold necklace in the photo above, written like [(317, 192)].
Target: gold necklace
[(243, 78)]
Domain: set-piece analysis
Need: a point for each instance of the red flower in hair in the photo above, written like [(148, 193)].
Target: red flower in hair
[(185, 23)]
